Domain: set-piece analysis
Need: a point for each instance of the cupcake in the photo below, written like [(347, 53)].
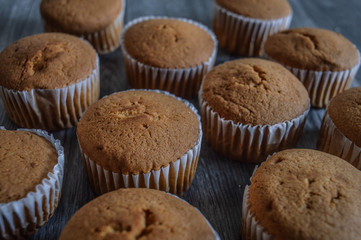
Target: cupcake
[(251, 108), (48, 80), (303, 194), (324, 61), (340, 132), (242, 26), (99, 22), (168, 54), (31, 173), (138, 214), (140, 139)]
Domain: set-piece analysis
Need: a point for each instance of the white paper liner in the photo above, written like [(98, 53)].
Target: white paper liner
[(183, 82), (105, 40), (52, 109), (214, 231), (22, 217), (322, 86), (243, 35), (245, 142), (333, 141), (175, 178)]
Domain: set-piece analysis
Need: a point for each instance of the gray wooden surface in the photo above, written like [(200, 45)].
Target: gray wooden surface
[(217, 189)]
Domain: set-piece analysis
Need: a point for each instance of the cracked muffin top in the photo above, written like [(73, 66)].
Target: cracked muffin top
[(168, 43), (46, 61), (345, 112), (254, 91), (80, 16), (259, 9), (137, 131), (307, 194), (137, 214), (25, 160), (312, 49)]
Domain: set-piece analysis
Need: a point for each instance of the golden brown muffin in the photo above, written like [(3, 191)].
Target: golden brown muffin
[(258, 9), (341, 127), (80, 16), (306, 194), (46, 61), (312, 49), (99, 22), (251, 108), (168, 43), (345, 112), (48, 80), (137, 214), (324, 61), (168, 54), (138, 132), (31, 173), (242, 26), (25, 160), (254, 91)]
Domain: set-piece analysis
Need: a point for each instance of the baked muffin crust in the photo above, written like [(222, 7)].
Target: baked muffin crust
[(137, 131), (254, 91), (168, 43), (80, 16), (46, 61), (25, 160), (307, 194), (137, 214), (345, 112), (259, 9), (312, 49)]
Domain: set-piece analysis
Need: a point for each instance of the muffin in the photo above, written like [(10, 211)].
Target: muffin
[(324, 61), (99, 22), (171, 54), (140, 139), (138, 214), (340, 132), (251, 108), (242, 26), (48, 80), (31, 173), (303, 194)]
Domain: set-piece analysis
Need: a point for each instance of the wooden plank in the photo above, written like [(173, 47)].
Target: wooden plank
[(217, 189)]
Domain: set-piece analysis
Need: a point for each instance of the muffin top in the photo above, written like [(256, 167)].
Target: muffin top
[(345, 112), (168, 43), (312, 49), (80, 16), (137, 214), (259, 9), (46, 61), (254, 91), (137, 131), (307, 194), (25, 160)]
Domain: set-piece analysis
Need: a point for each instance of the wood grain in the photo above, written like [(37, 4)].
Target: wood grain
[(218, 187)]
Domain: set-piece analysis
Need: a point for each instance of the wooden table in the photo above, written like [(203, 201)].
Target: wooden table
[(217, 189)]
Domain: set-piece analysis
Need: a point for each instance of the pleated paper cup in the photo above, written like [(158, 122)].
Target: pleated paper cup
[(322, 86), (333, 141), (242, 35), (23, 217), (174, 178), (105, 40), (251, 228), (52, 109), (245, 142), (183, 82)]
